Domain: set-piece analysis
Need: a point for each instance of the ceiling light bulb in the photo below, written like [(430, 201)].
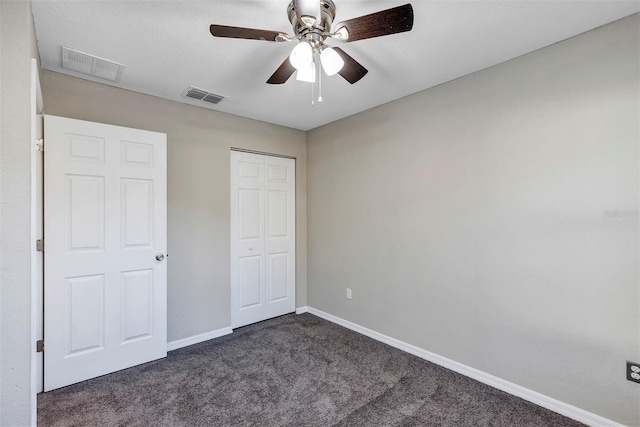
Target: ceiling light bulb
[(307, 74), (332, 62), (301, 56)]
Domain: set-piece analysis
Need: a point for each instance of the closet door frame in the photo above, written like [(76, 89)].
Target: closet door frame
[(263, 234)]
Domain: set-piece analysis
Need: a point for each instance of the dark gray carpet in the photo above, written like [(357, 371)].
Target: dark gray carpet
[(294, 371)]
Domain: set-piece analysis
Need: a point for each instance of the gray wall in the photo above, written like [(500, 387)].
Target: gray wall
[(198, 171), (17, 47), (474, 220)]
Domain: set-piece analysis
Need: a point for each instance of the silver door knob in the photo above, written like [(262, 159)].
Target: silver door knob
[(159, 257), (250, 248)]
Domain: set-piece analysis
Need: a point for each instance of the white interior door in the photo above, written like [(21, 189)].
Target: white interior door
[(105, 240), (262, 237)]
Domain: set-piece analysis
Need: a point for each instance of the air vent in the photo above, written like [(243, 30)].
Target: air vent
[(91, 65), (203, 95), (213, 98)]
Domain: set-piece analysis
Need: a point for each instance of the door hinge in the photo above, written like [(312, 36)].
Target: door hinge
[(40, 346), (40, 145), (40, 245)]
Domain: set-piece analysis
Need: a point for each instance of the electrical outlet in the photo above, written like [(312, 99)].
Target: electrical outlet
[(348, 293), (633, 371)]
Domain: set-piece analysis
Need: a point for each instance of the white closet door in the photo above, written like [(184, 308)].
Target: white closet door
[(262, 237), (105, 240)]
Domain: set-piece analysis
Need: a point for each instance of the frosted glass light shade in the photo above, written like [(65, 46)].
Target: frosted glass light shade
[(301, 56), (331, 61), (307, 74)]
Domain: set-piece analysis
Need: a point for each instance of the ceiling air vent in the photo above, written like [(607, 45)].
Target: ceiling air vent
[(91, 65), (203, 95)]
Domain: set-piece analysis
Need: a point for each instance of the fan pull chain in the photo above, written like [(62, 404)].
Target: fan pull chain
[(320, 83), (313, 101)]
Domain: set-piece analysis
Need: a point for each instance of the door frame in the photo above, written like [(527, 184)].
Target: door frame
[(264, 153), (36, 229), (295, 225)]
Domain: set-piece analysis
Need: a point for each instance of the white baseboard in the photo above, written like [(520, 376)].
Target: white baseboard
[(302, 310), (550, 403), (174, 345)]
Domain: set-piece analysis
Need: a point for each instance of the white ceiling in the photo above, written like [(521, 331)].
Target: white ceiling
[(166, 47)]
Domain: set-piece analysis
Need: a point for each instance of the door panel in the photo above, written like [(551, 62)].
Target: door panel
[(84, 307), (250, 281), (278, 283), (278, 213), (85, 212), (105, 220), (137, 154), (84, 148), (137, 303), (250, 168), (250, 207), (280, 235), (262, 237), (137, 213)]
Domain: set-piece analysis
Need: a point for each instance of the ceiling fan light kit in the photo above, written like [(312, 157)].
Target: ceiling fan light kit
[(307, 74), (301, 55), (332, 63), (311, 21)]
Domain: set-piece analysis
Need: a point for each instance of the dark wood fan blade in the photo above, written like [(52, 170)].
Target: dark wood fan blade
[(391, 21), (282, 74), (308, 11), (352, 71), (244, 33)]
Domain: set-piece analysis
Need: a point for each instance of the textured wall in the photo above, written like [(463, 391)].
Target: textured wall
[(198, 188), (494, 220), (17, 47)]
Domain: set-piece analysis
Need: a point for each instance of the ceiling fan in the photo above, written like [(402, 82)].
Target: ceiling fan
[(311, 21)]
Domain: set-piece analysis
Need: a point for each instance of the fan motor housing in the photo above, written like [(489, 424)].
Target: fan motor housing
[(327, 15)]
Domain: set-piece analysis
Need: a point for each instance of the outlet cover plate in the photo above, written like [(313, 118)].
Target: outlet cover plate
[(633, 371)]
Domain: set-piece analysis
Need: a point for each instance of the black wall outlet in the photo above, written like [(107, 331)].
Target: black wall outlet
[(633, 371)]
